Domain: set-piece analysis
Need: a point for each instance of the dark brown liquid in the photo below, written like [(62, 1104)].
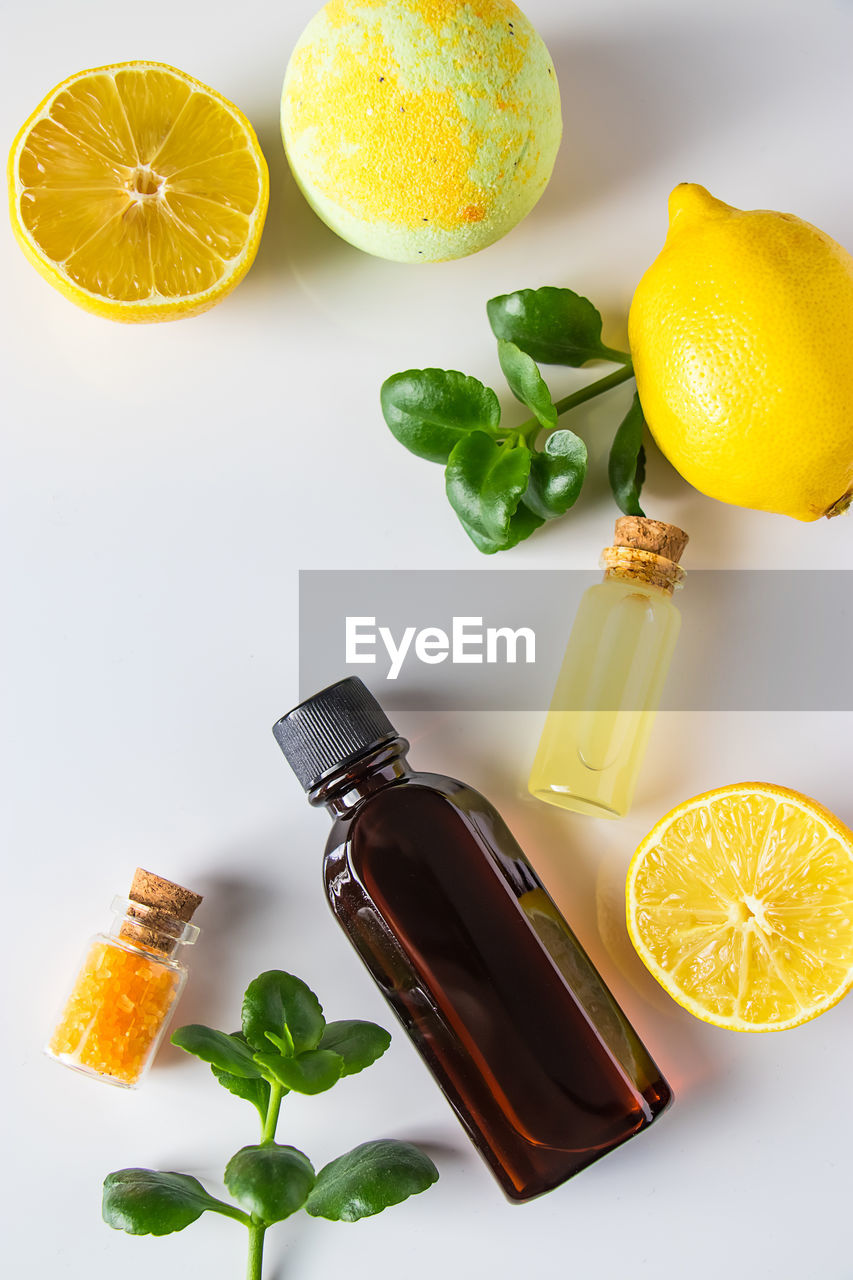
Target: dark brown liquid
[(516, 1025)]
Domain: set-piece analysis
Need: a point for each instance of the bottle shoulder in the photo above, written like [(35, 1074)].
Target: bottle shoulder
[(156, 959), (619, 607), (420, 812), (414, 785), (612, 590)]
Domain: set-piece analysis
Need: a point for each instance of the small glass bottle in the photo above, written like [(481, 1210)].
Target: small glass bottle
[(538, 1061), (128, 985), (613, 674)]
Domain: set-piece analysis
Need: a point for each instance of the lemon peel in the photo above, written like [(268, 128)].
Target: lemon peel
[(741, 332)]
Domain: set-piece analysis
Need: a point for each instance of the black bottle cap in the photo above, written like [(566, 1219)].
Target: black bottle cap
[(332, 729)]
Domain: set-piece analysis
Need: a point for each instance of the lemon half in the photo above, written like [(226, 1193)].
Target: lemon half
[(740, 903), (138, 192)]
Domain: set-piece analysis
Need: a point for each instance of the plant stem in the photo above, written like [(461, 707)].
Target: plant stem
[(230, 1211), (618, 357), (256, 1251), (531, 428), (594, 389), (268, 1132)]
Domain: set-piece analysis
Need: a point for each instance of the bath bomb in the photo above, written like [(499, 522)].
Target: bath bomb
[(421, 130)]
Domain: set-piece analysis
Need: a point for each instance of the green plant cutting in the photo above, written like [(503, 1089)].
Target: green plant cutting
[(505, 482), (285, 1045)]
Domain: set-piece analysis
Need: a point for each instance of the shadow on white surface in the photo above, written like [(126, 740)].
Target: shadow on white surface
[(293, 234), (655, 89), (238, 910)]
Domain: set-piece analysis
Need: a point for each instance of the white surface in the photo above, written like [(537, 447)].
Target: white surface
[(161, 488)]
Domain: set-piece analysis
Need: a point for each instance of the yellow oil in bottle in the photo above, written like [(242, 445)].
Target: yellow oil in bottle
[(612, 676)]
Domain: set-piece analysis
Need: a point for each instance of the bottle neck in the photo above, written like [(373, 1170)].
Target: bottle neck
[(638, 566), (348, 786), (150, 929)]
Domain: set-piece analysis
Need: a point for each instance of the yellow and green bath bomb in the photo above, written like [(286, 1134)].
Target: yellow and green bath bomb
[(421, 130)]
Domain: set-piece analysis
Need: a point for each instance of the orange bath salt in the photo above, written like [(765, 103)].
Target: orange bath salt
[(115, 1012)]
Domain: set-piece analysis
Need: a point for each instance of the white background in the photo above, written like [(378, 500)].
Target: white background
[(163, 485)]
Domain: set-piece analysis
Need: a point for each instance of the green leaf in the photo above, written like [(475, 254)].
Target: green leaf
[(217, 1048), (526, 382), (485, 482), (359, 1044), (255, 1091), (522, 524), (627, 466), (283, 1043), (431, 410), (314, 1071), (488, 546), (369, 1179), (269, 1181), (554, 326), (277, 1002), (556, 475), (145, 1202)]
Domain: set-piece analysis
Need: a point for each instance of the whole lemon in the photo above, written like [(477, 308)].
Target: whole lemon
[(421, 130), (742, 337)]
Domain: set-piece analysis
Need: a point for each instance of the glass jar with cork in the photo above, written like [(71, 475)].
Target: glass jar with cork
[(613, 674), (128, 984)]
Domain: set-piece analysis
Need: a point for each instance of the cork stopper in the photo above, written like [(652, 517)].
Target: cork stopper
[(160, 907), (665, 540), (647, 551)]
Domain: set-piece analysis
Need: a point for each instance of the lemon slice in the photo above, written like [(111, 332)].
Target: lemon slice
[(740, 903), (138, 192)]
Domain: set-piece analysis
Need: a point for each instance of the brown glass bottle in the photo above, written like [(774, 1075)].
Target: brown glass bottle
[(533, 1053)]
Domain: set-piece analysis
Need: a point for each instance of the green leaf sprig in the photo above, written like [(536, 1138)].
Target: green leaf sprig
[(500, 481), (285, 1045)]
